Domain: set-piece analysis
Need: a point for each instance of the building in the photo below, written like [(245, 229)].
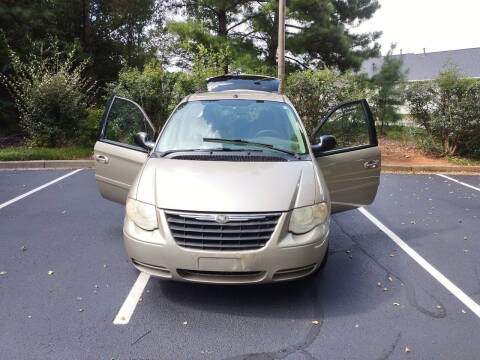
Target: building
[(428, 65)]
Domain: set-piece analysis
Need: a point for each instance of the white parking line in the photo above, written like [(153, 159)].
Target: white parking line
[(130, 303), (451, 287), (38, 189), (460, 182)]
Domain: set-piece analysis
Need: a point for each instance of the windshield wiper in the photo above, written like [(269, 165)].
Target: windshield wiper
[(168, 152), (241, 141)]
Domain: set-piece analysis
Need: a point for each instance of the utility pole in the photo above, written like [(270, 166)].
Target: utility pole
[(281, 44)]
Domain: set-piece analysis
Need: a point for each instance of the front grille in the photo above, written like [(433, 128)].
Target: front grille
[(221, 231)]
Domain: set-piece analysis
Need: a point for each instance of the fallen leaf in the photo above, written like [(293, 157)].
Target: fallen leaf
[(50, 272), (407, 350), (396, 304), (123, 318)]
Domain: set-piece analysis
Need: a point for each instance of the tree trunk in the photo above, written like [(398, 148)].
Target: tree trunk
[(86, 24), (272, 45), (222, 30)]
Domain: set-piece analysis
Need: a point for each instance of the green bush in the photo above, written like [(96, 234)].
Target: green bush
[(314, 92), (449, 110), (88, 128), (51, 95), (152, 88)]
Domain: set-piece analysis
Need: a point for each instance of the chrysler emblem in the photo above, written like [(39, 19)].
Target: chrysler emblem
[(221, 219)]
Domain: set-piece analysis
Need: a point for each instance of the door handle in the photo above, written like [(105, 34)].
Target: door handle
[(102, 159), (372, 164)]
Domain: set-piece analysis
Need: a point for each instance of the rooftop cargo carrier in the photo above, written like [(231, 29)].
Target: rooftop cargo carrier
[(243, 82)]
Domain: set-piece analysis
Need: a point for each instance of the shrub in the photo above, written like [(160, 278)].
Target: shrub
[(158, 91), (50, 93), (314, 92), (88, 127), (152, 88), (449, 109)]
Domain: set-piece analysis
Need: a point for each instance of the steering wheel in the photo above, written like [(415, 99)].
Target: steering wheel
[(275, 133)]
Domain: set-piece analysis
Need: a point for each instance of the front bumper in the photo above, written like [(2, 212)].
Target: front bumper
[(282, 258)]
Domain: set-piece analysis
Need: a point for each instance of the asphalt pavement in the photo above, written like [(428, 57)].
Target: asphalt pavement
[(65, 275)]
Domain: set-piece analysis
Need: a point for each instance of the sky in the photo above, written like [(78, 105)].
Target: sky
[(435, 25)]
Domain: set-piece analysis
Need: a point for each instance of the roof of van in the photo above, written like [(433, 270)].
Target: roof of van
[(237, 95)]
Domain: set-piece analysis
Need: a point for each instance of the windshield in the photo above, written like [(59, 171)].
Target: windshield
[(266, 122)]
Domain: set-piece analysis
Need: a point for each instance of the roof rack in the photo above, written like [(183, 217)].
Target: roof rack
[(243, 82)]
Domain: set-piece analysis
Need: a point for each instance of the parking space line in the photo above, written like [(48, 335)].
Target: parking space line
[(38, 189), (451, 287), (130, 303), (460, 182)]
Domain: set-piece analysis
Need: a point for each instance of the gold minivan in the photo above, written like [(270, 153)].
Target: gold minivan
[(232, 190)]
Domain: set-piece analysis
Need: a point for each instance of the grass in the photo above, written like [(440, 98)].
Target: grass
[(39, 153), (463, 161), (406, 134)]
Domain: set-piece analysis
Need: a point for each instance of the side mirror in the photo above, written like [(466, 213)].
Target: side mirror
[(326, 143), (143, 140)]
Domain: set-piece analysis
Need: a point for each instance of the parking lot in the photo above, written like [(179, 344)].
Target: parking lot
[(402, 281)]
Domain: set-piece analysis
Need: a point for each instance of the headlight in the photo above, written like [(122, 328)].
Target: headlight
[(306, 218), (143, 215)]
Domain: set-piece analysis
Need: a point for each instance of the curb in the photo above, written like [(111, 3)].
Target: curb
[(429, 169), (86, 164), (46, 164)]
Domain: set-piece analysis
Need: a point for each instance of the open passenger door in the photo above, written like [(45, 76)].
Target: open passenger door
[(118, 156), (346, 149)]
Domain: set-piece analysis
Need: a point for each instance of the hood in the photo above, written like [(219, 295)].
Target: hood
[(221, 186)]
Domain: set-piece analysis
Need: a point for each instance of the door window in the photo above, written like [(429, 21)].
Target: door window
[(125, 119), (350, 124)]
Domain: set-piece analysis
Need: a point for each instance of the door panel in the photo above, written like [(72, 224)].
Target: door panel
[(352, 169), (117, 158), (115, 177), (350, 183)]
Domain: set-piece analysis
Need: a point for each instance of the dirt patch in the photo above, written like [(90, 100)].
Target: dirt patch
[(398, 153)]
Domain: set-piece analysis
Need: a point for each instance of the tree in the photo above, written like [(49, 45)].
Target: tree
[(389, 90), (212, 24), (317, 32)]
